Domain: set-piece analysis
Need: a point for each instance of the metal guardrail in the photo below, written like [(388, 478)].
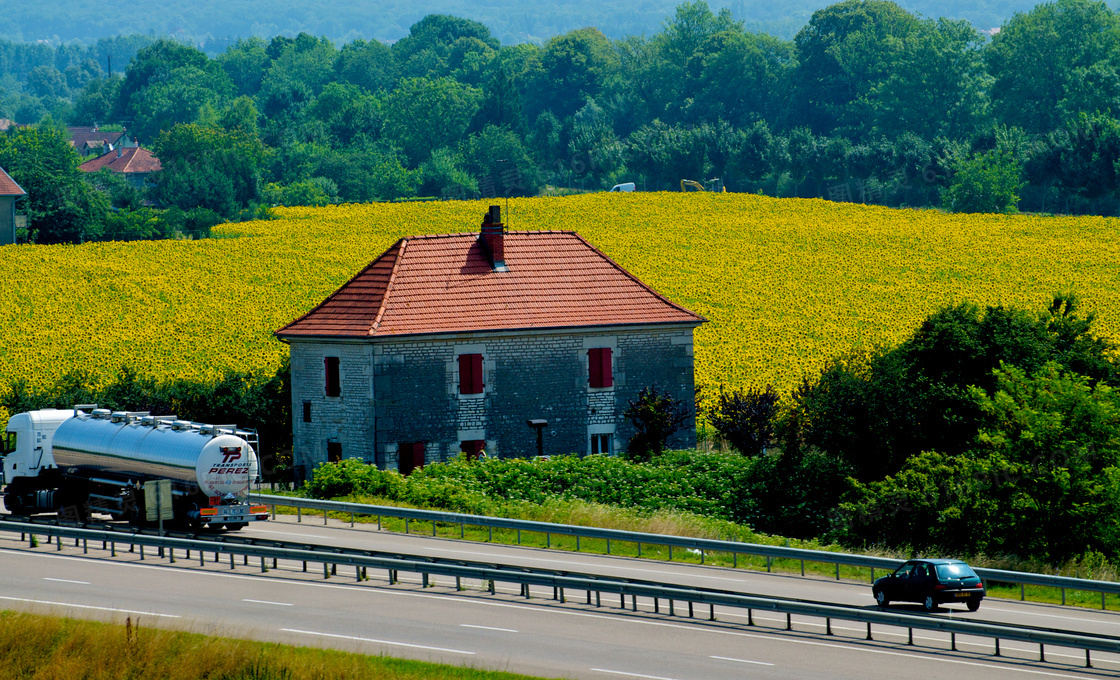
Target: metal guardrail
[(702, 544), (527, 576)]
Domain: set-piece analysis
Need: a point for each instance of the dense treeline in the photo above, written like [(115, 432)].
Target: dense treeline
[(867, 103)]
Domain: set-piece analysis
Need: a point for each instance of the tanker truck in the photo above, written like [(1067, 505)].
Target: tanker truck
[(71, 462)]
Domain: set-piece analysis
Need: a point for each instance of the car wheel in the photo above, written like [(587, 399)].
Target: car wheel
[(973, 604), (929, 604), (881, 598)]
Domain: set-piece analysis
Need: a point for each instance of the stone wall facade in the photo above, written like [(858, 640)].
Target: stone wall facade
[(395, 391)]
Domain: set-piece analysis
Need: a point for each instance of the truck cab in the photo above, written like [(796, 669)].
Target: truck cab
[(25, 449)]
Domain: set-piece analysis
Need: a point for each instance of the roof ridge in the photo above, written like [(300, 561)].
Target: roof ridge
[(342, 287), (388, 287)]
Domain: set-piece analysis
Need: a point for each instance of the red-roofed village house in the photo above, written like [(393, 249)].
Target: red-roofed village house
[(9, 192), (454, 343), (134, 162)]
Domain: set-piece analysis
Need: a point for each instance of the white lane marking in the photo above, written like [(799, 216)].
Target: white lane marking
[(89, 606), (1112, 622), (378, 642), (65, 580), (728, 658), (631, 675), (933, 657), (504, 630), (278, 604)]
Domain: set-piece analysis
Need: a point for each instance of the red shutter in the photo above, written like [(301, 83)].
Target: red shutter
[(470, 374), (599, 367)]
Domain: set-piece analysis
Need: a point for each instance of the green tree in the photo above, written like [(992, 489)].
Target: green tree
[(153, 64), (207, 167), (745, 418), (369, 65), (843, 52), (438, 45), (422, 115), (1053, 62), (180, 96), (245, 63), (738, 77), (987, 183), (575, 66), (655, 415)]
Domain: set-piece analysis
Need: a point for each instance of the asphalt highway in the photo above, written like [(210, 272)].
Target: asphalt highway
[(539, 636)]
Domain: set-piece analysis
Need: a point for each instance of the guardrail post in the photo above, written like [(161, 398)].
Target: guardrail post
[(701, 556), (491, 586), (324, 518), (141, 552), (273, 513), (789, 622), (656, 605), (326, 571), (85, 547), (623, 596), (827, 626), (1063, 597), (274, 565), (872, 574), (392, 581), (433, 528), (171, 555), (598, 599), (424, 580), (462, 530), (264, 569), (1022, 592), (555, 593), (953, 641), (113, 550), (802, 567), (518, 537), (868, 630), (767, 564), (639, 546), (1087, 662), (458, 583), (201, 558), (548, 540), (406, 525), (910, 636), (563, 600), (379, 522), (711, 612), (670, 553), (1102, 600), (231, 565), (1041, 652), (997, 646), (671, 612), (750, 616), (490, 533), (634, 603), (299, 514), (837, 571), (589, 598), (305, 566), (690, 609), (608, 546)]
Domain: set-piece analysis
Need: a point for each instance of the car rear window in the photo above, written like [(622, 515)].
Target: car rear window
[(955, 571)]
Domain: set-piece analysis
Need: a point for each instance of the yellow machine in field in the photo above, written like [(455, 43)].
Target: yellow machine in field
[(713, 185)]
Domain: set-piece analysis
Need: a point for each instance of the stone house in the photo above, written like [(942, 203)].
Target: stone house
[(9, 192), (516, 343)]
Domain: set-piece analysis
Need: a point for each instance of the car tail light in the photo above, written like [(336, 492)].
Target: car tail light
[(939, 586)]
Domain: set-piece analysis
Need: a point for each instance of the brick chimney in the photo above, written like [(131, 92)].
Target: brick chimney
[(492, 238)]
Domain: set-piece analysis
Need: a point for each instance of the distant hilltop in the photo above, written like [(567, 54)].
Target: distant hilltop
[(214, 25)]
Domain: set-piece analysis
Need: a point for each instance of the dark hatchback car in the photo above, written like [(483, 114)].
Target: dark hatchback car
[(932, 583)]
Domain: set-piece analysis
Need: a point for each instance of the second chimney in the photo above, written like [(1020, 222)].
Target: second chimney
[(492, 237)]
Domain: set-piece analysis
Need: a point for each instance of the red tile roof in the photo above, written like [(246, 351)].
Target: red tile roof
[(132, 159), (445, 284), (8, 186)]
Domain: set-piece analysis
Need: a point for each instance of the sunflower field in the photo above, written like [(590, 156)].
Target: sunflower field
[(784, 283)]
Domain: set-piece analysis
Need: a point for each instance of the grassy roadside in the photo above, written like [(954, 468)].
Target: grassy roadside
[(582, 513), (49, 648)]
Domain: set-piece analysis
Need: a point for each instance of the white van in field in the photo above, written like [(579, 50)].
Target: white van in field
[(626, 186)]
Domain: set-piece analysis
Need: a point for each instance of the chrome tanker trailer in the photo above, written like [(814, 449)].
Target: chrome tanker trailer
[(73, 463)]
